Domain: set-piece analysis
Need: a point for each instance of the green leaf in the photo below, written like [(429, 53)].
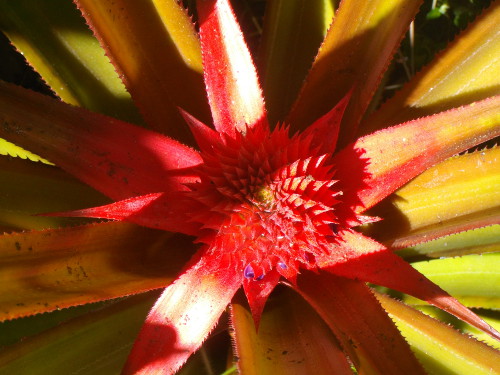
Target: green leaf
[(477, 241), (441, 349), (292, 34), (97, 343), (155, 48), (472, 279), (55, 40), (465, 72), (356, 52), (28, 188), (460, 193)]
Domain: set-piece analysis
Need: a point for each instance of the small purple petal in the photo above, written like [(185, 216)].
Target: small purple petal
[(282, 265), (249, 272), (258, 278)]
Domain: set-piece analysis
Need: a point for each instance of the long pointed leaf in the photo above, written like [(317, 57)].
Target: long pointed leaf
[(157, 211), (291, 340), (28, 188), (53, 37), (477, 241), (460, 193), (356, 52), (473, 279), (292, 34), (96, 344), (154, 46), (52, 269), (359, 322), (10, 149), (137, 161), (233, 88), (182, 318), (465, 72), (440, 348), (391, 157), (364, 259)]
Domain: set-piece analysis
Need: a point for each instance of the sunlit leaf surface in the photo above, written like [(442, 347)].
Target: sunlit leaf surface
[(53, 37), (154, 47), (356, 52), (440, 348), (473, 279), (458, 194), (465, 72)]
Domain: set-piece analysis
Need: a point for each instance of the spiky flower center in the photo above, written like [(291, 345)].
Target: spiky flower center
[(271, 201)]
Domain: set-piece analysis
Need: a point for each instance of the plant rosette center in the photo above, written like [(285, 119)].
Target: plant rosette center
[(271, 203)]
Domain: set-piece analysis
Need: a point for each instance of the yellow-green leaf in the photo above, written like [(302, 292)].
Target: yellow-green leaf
[(458, 194), (472, 279), (96, 344), (292, 34), (55, 40), (465, 72), (47, 270), (291, 339), (10, 149), (477, 241), (357, 50), (441, 349), (154, 46), (29, 188)]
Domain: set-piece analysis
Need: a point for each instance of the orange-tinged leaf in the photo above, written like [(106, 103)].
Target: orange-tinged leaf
[(356, 52), (440, 348), (232, 84), (53, 37), (395, 155), (291, 36), (56, 268), (182, 318), (28, 188), (291, 340), (362, 326), (460, 193), (136, 162), (465, 72), (490, 316), (154, 46), (97, 343)]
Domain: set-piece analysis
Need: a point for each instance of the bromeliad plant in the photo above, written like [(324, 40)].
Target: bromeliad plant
[(267, 196)]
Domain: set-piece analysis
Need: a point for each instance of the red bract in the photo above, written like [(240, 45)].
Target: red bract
[(265, 205)]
